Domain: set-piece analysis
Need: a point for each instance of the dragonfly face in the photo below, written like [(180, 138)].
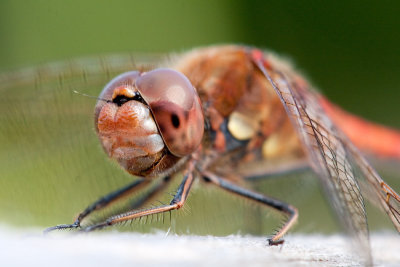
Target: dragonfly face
[(148, 121)]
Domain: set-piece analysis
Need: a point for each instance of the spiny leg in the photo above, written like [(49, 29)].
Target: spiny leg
[(395, 205), (147, 197), (101, 203), (177, 202), (276, 204), (389, 192)]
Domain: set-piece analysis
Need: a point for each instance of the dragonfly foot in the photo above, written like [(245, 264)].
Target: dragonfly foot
[(278, 242), (62, 227)]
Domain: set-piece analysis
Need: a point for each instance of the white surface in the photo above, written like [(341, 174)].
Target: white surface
[(30, 248)]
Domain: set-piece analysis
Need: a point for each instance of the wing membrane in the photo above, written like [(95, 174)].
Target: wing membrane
[(88, 70), (329, 157), (388, 199)]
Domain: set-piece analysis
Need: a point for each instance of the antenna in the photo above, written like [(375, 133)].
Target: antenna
[(90, 96)]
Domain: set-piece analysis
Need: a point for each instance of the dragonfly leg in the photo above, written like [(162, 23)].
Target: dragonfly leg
[(393, 207), (389, 192), (101, 203), (177, 202), (291, 211)]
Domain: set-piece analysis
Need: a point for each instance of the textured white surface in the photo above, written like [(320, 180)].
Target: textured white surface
[(30, 248)]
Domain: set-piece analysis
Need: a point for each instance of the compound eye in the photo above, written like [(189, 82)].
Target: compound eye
[(126, 79), (176, 108), (121, 96)]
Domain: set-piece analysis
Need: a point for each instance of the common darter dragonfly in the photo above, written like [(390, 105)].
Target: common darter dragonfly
[(213, 114)]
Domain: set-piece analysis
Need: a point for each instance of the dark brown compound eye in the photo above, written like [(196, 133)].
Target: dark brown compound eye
[(176, 108)]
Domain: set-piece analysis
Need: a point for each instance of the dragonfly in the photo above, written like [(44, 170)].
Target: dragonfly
[(219, 114)]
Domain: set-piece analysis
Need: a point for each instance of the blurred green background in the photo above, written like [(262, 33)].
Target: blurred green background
[(51, 165)]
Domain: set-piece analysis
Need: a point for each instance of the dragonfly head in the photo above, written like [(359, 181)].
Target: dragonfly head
[(151, 120)]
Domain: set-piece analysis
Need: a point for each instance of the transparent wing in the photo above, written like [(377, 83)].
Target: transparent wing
[(89, 70), (328, 153), (376, 188)]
